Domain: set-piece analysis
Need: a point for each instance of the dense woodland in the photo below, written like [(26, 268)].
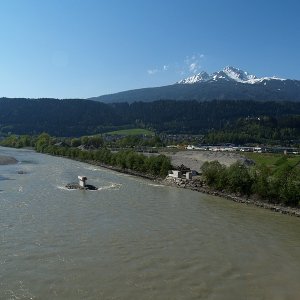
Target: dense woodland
[(284, 131), (221, 121)]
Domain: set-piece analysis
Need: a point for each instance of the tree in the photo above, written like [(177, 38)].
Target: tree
[(75, 142), (43, 141), (215, 174), (262, 186), (239, 179)]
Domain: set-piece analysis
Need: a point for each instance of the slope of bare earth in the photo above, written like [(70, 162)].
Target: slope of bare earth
[(195, 159), (7, 160)]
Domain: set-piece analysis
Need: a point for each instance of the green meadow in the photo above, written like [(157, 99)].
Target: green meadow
[(133, 131)]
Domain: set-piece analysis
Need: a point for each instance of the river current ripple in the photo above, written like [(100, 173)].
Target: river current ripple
[(133, 239)]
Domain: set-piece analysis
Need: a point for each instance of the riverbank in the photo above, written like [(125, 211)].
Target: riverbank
[(120, 170), (7, 160), (196, 185)]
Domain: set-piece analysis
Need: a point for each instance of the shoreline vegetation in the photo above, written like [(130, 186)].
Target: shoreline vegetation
[(275, 187)]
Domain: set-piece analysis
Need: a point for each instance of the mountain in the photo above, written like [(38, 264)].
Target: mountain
[(228, 84), (228, 74), (201, 77)]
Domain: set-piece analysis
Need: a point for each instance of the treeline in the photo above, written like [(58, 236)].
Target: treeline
[(283, 130), (78, 117), (88, 142), (278, 185), (74, 117), (125, 159)]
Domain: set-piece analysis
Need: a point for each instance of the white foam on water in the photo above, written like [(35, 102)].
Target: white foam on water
[(156, 185), (112, 186), (64, 188)]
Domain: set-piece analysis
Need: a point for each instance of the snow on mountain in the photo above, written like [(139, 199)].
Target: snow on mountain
[(238, 75), (228, 74), (201, 77)]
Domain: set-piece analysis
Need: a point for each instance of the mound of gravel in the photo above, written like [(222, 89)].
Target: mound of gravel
[(7, 160)]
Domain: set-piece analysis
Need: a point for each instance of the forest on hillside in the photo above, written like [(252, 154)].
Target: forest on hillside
[(220, 121)]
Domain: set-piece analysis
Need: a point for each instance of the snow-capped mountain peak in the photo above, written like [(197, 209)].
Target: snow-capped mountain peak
[(228, 74), (201, 77), (238, 75)]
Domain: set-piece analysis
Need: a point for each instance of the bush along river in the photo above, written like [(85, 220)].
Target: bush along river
[(134, 239)]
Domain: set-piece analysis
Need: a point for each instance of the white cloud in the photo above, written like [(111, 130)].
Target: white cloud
[(157, 70), (193, 67), (152, 71), (193, 63)]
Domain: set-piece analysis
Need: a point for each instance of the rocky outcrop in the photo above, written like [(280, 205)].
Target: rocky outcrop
[(76, 186)]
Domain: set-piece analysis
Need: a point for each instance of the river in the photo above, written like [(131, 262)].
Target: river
[(133, 239)]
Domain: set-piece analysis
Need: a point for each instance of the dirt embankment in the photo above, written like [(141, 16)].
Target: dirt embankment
[(195, 159)]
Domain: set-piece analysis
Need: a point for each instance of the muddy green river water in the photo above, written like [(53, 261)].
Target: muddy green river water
[(133, 239)]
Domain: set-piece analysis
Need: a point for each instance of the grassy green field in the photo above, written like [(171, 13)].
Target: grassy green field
[(134, 131), (272, 159)]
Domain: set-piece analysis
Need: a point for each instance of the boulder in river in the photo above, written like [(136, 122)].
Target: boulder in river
[(76, 186)]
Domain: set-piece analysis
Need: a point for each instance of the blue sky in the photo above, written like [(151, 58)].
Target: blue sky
[(85, 48)]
